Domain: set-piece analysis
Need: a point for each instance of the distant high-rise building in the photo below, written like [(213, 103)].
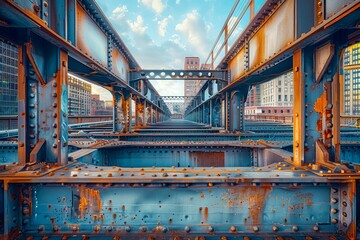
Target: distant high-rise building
[(79, 97), (191, 86), (253, 98), (100, 107), (191, 63), (278, 92), (271, 99), (8, 85), (351, 61), (8, 78)]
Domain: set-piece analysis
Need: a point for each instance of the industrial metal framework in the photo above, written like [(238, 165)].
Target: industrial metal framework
[(211, 176)]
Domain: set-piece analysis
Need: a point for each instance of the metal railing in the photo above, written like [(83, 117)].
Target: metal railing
[(239, 17)]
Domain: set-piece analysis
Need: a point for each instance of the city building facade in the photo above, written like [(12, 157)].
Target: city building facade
[(278, 92), (79, 97), (8, 78), (191, 86), (253, 98), (8, 85), (351, 99), (269, 100), (100, 107)]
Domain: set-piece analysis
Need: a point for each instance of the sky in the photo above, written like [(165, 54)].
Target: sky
[(161, 33)]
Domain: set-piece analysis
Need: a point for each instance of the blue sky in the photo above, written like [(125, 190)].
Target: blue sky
[(161, 33)]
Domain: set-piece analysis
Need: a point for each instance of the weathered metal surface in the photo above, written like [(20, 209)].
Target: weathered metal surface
[(271, 37), (119, 65), (323, 55), (96, 46), (332, 7), (237, 65)]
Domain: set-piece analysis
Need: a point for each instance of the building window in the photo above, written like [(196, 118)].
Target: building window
[(269, 111), (275, 111), (279, 97)]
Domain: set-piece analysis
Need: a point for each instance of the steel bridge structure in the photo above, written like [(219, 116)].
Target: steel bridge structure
[(212, 175)]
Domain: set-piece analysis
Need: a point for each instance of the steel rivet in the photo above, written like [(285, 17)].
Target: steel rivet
[(187, 229), (275, 228), (211, 229), (256, 228), (41, 228), (295, 228), (56, 228), (334, 221), (127, 228), (232, 229)]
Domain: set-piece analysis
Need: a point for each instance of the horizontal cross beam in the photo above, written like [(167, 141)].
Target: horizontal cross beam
[(220, 75)]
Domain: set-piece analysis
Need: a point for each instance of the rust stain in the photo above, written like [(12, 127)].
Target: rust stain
[(251, 197), (206, 215), (202, 195), (256, 199), (320, 104), (90, 200)]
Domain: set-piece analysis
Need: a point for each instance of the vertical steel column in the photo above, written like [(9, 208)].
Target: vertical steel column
[(336, 117), (299, 107), (145, 113), (139, 112), (43, 102), (211, 113), (216, 113), (238, 99), (226, 112), (118, 118), (127, 111), (53, 109), (316, 105), (27, 98)]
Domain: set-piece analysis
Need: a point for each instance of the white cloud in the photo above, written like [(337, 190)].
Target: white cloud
[(163, 25), (175, 38), (177, 1), (120, 11), (118, 17), (156, 5), (138, 25), (169, 87), (195, 30)]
